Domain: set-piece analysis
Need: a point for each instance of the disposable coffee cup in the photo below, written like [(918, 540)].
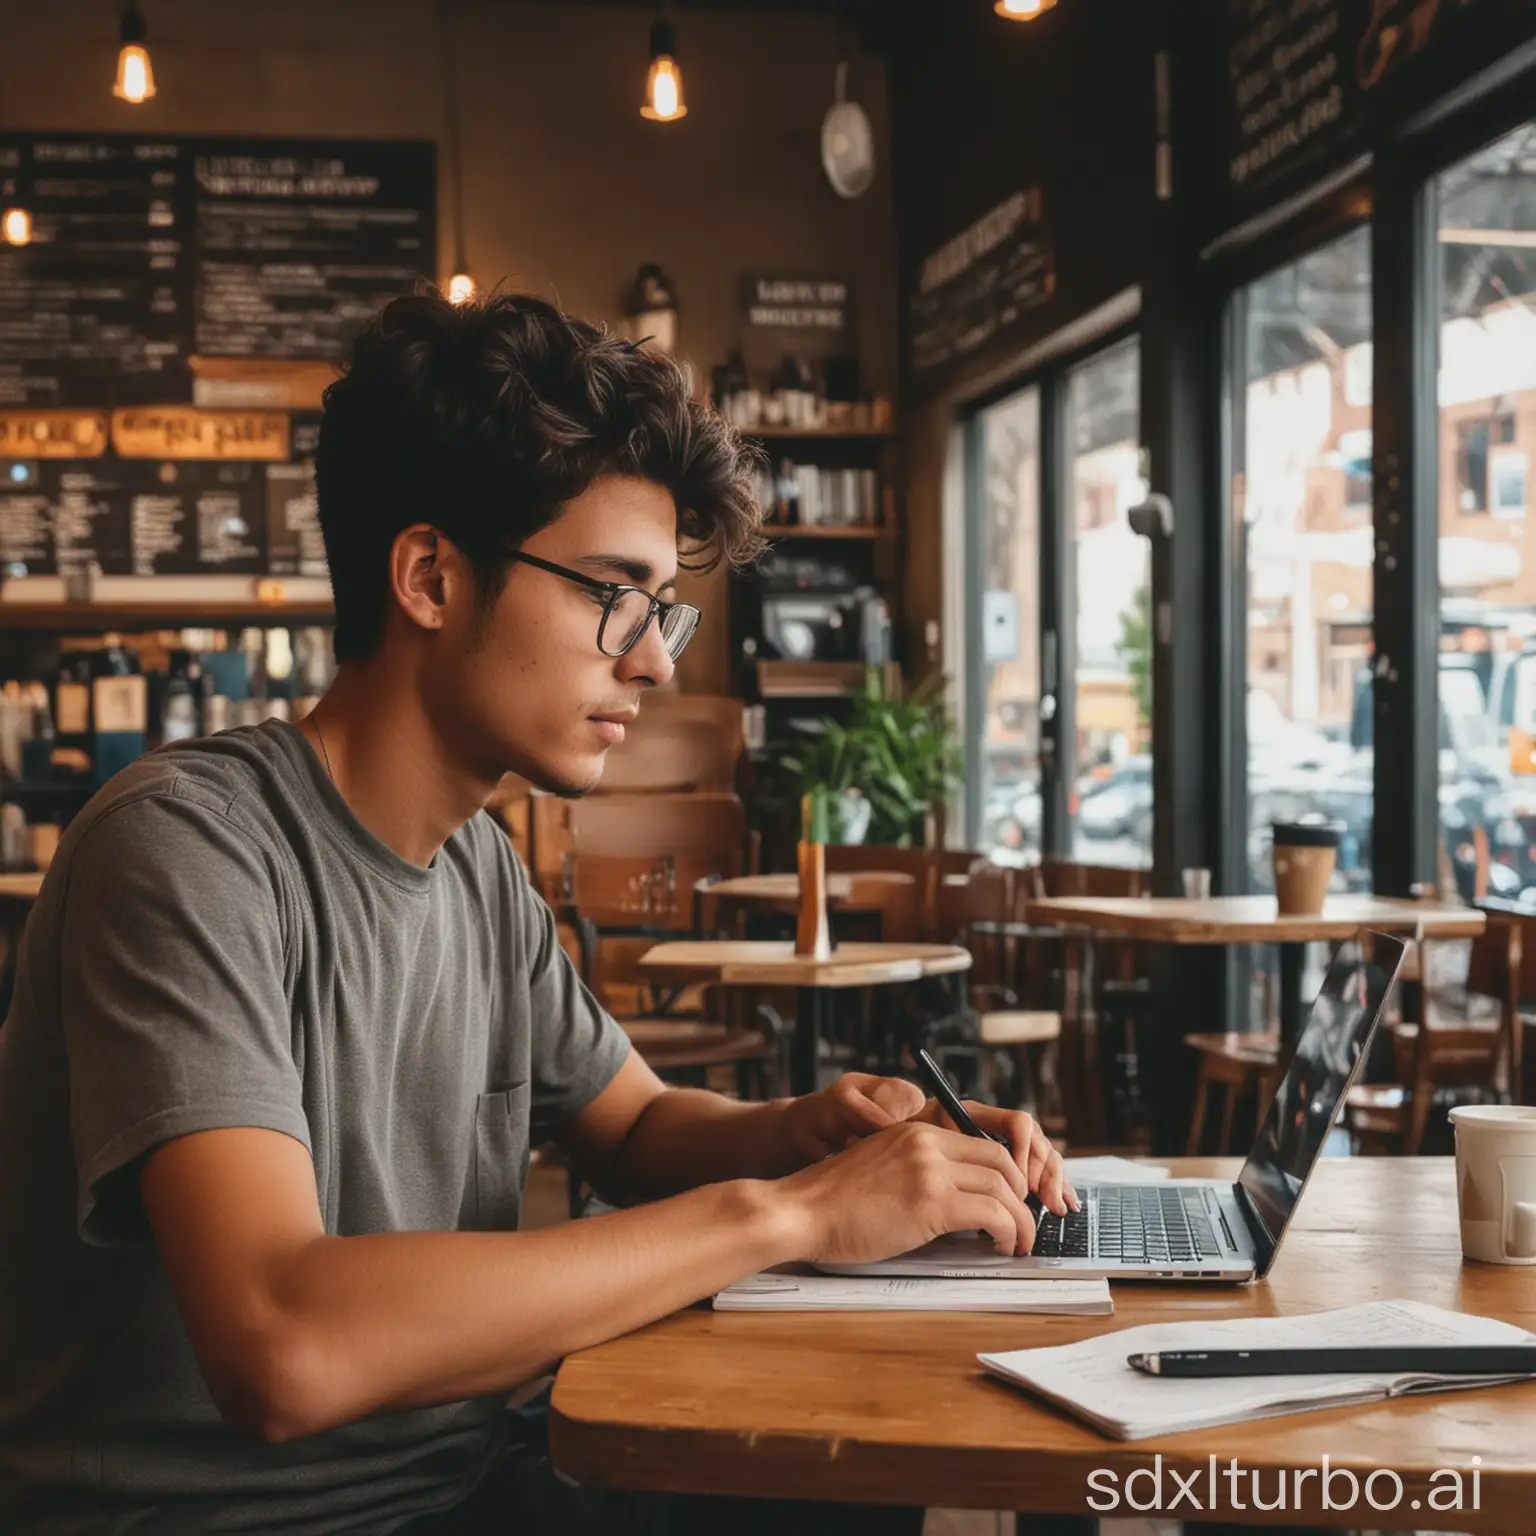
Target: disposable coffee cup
[(1496, 1181), (1305, 853)]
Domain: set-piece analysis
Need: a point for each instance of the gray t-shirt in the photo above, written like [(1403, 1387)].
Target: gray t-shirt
[(220, 942)]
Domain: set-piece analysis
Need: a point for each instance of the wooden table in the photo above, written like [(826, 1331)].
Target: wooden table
[(24, 887), (782, 892), (894, 1408), (774, 963), (1256, 920)]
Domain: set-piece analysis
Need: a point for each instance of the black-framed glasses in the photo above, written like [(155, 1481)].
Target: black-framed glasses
[(628, 611)]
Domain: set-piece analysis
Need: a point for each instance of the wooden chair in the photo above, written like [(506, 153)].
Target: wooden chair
[(677, 743), (1009, 1025), (619, 905), (708, 824), (1107, 1001), (927, 867), (1465, 1040), (1238, 1064)]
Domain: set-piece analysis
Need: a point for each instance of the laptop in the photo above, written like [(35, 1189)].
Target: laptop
[(1202, 1229)]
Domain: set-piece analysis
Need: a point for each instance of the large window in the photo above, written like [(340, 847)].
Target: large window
[(1306, 501), (1111, 798), (1487, 413), (1007, 543)]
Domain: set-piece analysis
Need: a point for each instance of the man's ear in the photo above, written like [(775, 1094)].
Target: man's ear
[(426, 572)]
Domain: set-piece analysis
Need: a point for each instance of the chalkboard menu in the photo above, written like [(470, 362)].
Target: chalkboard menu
[(165, 490), (98, 308), (297, 245), (150, 255), (1302, 75), (148, 252), (981, 282)]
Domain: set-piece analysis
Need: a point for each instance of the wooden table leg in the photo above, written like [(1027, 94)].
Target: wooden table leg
[(1293, 1013), (805, 1046)]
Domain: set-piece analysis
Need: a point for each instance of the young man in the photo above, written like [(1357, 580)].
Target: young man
[(289, 1016)]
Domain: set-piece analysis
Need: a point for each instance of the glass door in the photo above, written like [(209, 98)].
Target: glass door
[(1004, 620), (1304, 332), (1110, 801), (1486, 217)]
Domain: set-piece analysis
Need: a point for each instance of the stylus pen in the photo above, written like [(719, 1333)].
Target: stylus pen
[(947, 1096), (944, 1092), (1445, 1359)]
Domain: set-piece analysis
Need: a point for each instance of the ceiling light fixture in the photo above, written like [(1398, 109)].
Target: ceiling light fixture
[(1023, 10), (664, 84), (135, 75), (16, 226), (461, 285)]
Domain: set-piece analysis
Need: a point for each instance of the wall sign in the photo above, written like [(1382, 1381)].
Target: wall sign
[(819, 306), (52, 434), (982, 281), (181, 432), (150, 252), (1301, 75)]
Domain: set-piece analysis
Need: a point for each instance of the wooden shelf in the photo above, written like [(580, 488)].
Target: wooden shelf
[(827, 531), (823, 434), (819, 679), (96, 618)]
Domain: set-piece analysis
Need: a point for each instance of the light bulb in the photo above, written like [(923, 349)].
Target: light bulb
[(135, 76), (16, 226), (461, 288), (664, 91), (1023, 10)]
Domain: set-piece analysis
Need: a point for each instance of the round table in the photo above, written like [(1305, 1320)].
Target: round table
[(774, 963)]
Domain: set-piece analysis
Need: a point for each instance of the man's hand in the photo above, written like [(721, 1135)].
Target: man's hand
[(904, 1187), (859, 1104), (1032, 1149)]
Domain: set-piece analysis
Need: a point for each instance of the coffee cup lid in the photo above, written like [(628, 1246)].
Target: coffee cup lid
[(1307, 834)]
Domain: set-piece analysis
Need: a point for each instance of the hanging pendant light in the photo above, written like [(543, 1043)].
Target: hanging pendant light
[(1023, 10), (461, 284), (664, 84), (135, 75), (16, 226)]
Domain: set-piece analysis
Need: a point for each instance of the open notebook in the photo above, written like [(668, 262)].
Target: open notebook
[(1092, 1380), (780, 1291)]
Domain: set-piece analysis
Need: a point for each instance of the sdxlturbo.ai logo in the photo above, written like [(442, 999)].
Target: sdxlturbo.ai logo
[(1275, 1488)]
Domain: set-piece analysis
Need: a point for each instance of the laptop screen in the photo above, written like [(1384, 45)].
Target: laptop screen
[(1307, 1103)]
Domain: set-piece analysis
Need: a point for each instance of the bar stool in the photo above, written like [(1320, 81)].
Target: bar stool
[(1235, 1062)]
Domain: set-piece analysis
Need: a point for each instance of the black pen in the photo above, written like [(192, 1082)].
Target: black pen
[(944, 1092), (946, 1095), (1445, 1359)]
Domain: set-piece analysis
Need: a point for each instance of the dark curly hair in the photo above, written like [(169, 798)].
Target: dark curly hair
[(484, 420)]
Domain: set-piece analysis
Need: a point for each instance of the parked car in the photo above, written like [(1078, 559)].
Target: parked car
[(1119, 806)]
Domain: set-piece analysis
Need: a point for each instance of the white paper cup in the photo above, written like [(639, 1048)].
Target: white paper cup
[(1496, 1181)]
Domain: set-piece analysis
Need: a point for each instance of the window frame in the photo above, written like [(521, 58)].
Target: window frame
[(1056, 610)]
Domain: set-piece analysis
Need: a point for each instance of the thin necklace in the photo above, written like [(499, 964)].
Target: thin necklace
[(320, 737)]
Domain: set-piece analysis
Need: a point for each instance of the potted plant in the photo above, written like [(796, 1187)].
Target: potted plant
[(887, 771)]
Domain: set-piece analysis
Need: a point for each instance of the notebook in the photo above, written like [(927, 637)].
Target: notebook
[(778, 1291), (1112, 1170), (1092, 1380)]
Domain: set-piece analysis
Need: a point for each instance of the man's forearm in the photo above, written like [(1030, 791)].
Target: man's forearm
[(360, 1325), (686, 1137)]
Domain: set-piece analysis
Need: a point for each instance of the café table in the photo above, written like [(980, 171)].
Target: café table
[(781, 892), (1219, 920), (774, 963), (894, 1408)]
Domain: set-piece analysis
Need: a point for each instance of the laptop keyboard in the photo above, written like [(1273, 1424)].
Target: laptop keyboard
[(1136, 1224)]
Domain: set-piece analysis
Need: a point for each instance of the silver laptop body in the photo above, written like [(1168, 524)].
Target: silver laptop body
[(1205, 1229)]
